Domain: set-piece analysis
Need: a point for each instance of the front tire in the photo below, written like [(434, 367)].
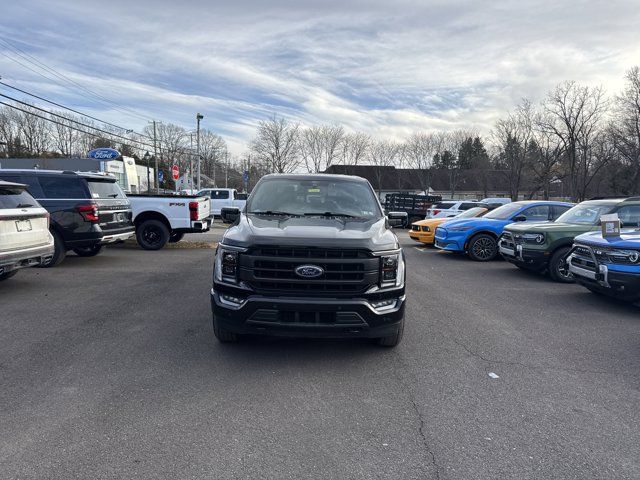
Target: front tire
[(392, 340), (152, 234), (559, 268), (483, 248), (224, 336), (90, 251), (60, 251), (6, 275)]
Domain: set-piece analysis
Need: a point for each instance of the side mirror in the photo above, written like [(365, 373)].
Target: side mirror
[(230, 214), (397, 219), (520, 218)]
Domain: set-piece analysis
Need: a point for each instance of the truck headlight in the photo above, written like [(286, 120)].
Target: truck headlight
[(426, 229), (226, 266), (533, 237), (392, 271), (459, 229)]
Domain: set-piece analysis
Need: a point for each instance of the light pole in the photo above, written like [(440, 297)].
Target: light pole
[(198, 118), (147, 157)]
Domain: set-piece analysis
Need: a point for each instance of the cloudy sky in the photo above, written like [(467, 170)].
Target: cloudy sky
[(384, 67)]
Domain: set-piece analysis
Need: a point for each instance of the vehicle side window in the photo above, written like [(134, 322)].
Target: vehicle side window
[(558, 210), (62, 187), (539, 213), (630, 215), (467, 206), (219, 194)]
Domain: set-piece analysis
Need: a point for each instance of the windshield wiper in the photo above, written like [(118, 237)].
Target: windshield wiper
[(112, 195), (274, 212), (329, 214), (24, 205)]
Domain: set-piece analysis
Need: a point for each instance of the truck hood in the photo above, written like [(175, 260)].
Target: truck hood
[(254, 230), (551, 227), (629, 238)]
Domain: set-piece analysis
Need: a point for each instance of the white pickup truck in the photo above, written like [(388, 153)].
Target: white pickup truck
[(224, 198), (166, 218)]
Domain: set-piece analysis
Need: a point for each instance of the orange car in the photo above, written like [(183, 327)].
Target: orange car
[(423, 231)]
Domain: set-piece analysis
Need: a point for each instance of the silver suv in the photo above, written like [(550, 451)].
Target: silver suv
[(25, 240)]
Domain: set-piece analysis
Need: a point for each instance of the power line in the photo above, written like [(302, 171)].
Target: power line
[(64, 124), (75, 121), (66, 108), (34, 61)]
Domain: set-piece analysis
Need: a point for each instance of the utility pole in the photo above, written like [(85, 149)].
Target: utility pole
[(226, 170), (198, 118), (155, 157), (191, 163)]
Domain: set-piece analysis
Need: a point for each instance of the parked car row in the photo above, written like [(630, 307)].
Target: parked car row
[(46, 213), (559, 239)]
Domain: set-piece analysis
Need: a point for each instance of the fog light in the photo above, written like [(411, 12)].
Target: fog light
[(231, 299), (384, 304)]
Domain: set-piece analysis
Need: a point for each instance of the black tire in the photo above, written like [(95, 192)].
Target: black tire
[(558, 267), (6, 275), (90, 251), (175, 237), (392, 340), (483, 248), (60, 251), (224, 336), (152, 234)]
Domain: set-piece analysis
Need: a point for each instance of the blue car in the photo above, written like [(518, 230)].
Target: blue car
[(478, 237), (609, 265)]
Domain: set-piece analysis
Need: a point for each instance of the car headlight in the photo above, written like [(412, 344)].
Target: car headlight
[(458, 229), (426, 229), (226, 266), (533, 237), (391, 271), (632, 256)]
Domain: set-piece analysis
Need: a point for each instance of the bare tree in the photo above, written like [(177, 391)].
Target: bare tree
[(214, 153), (354, 149), (34, 131), (66, 137), (625, 128), (543, 166), (573, 113), (277, 145), (512, 137), (382, 153), (320, 146), (420, 149)]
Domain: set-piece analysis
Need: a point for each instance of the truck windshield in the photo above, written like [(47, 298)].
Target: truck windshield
[(291, 196), (102, 189), (585, 213)]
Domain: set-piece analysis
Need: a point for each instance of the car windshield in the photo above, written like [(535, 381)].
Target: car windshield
[(505, 212), (292, 196), (472, 212), (585, 213), (105, 189)]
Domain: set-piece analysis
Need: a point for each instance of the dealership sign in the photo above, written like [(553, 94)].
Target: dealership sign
[(103, 153)]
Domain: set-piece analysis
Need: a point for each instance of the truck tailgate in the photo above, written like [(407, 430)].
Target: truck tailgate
[(204, 207)]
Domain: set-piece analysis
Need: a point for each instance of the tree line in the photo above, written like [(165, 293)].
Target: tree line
[(577, 137)]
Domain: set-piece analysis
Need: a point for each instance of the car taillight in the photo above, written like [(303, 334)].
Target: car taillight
[(435, 212), (89, 212), (193, 210)]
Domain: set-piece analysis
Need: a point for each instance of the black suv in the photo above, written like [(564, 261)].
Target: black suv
[(87, 210), (310, 255)]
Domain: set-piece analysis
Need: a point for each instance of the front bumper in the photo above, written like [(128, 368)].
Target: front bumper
[(618, 281), (422, 237), (521, 256), (28, 257), (308, 316), (452, 241)]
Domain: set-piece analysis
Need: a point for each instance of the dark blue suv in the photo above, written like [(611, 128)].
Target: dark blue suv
[(609, 265)]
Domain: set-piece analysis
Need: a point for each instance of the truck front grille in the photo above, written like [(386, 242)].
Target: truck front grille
[(272, 270)]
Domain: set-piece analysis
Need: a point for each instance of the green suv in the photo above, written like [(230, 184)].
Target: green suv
[(543, 247)]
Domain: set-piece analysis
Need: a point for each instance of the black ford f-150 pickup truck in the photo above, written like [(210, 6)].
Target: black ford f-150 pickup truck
[(310, 256)]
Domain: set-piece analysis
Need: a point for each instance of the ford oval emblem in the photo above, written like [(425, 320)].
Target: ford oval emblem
[(103, 153), (309, 271)]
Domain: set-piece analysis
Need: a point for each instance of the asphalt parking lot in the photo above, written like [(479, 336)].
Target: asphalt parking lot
[(109, 369)]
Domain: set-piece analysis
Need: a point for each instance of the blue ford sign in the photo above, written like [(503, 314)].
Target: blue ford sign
[(309, 271), (103, 153)]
